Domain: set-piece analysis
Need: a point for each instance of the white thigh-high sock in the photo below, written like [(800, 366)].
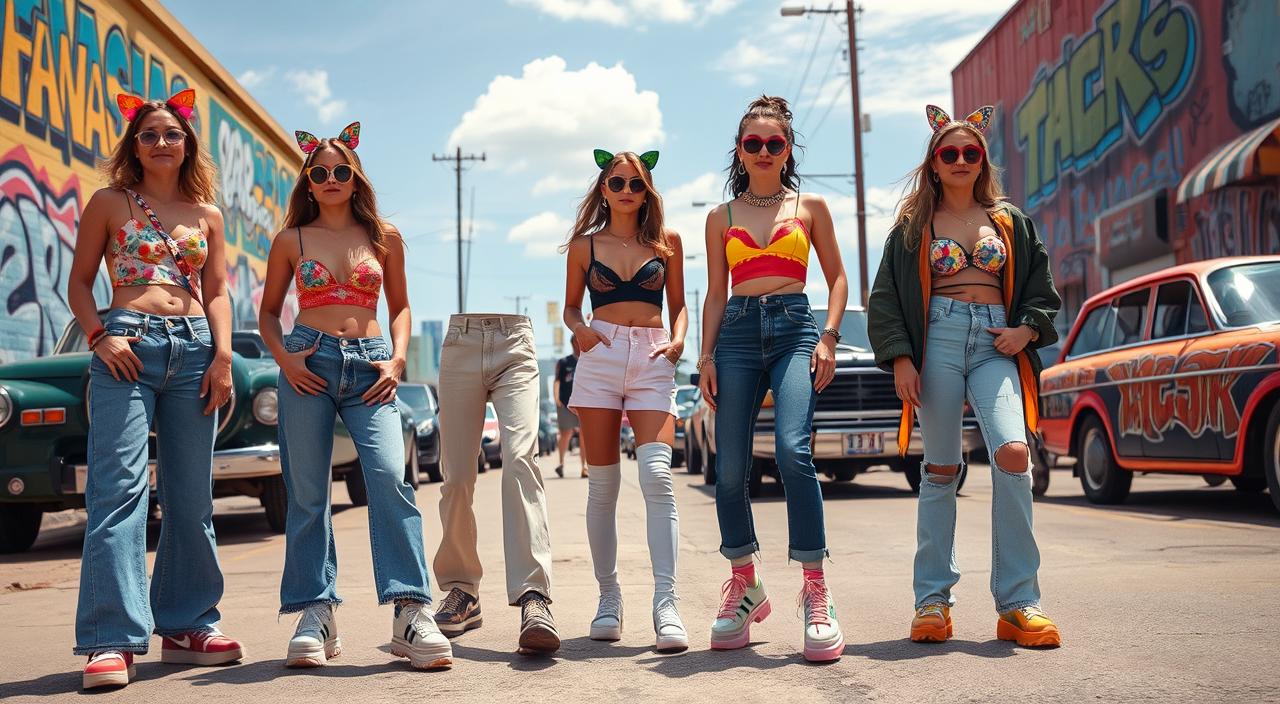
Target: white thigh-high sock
[(603, 482), (654, 459)]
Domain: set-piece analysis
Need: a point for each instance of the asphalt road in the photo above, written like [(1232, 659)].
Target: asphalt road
[(1167, 598)]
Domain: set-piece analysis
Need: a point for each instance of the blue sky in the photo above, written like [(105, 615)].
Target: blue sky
[(537, 84)]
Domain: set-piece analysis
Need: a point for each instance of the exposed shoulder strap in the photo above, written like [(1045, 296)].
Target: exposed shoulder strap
[(128, 201), (728, 209), (797, 213), (591, 239), (300, 252)]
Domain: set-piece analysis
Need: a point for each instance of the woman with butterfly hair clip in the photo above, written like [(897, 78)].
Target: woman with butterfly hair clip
[(341, 256), (162, 359), (621, 253), (968, 269)]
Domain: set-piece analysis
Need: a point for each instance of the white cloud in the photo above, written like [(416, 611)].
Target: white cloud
[(690, 220), (252, 78), (314, 88), (746, 60), (541, 234), (548, 120), (621, 12)]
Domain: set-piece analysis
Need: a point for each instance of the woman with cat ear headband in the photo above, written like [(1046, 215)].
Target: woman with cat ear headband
[(968, 269), (162, 359)]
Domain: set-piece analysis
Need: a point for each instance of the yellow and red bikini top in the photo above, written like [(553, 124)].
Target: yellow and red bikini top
[(317, 286), (785, 254)]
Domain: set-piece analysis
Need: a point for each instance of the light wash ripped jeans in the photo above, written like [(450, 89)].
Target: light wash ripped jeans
[(962, 363)]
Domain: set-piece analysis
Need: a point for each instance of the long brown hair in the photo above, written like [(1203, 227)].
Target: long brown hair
[(196, 176), (766, 107), (593, 215), (303, 210), (916, 209)]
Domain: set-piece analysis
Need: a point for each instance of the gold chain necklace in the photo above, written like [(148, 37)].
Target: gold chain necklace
[(763, 201)]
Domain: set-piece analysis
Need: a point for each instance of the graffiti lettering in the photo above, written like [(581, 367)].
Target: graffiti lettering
[(1120, 77), (1238, 220)]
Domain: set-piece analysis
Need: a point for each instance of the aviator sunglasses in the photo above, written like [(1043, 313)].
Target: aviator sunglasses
[(775, 145), (319, 174), (150, 138), (617, 183), (949, 155)]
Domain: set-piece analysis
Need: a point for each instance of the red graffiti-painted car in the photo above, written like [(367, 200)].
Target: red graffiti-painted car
[(1177, 371)]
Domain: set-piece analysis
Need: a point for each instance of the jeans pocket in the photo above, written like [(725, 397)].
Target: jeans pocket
[(733, 313), (935, 314), (451, 337), (200, 331), (378, 352), (801, 313)]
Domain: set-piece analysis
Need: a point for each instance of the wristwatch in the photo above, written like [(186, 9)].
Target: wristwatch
[(832, 332)]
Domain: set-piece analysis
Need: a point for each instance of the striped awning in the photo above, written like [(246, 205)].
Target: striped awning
[(1235, 161)]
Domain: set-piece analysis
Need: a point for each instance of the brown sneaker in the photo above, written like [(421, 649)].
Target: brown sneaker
[(458, 613), (538, 634)]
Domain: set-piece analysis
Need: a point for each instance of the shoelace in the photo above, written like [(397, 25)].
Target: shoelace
[(1031, 612), (813, 599), (731, 593), (667, 614), (930, 610), (312, 619), (106, 655), (610, 606), (453, 602), (536, 609), (419, 617)]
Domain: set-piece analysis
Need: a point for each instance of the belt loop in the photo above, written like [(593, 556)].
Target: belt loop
[(463, 322), (948, 305), (502, 325)]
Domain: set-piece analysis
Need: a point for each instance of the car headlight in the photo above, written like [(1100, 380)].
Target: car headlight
[(426, 426), (6, 407), (266, 410)]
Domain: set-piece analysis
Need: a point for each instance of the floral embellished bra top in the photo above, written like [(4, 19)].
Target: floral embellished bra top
[(785, 254), (317, 286), (948, 258), (140, 256)]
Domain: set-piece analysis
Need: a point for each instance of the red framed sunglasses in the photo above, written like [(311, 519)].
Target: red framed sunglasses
[(775, 145), (972, 154)]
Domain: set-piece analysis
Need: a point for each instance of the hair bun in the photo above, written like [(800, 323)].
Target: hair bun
[(772, 103)]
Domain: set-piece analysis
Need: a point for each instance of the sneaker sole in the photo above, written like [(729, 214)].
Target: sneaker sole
[(930, 634), (109, 679), (609, 633), (194, 657), (1043, 639), (672, 644), (313, 656), (743, 639), (826, 653), (451, 630), (538, 640), (420, 658)]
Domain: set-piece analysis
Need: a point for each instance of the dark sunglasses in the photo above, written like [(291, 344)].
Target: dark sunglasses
[(150, 138), (752, 143), (949, 155), (319, 174), (617, 183)]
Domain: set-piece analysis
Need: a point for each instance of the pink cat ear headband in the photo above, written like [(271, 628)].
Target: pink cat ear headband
[(979, 119), (349, 136), (183, 102)]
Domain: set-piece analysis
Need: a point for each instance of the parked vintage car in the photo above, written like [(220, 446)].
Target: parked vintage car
[(44, 423), (1176, 372), (422, 406), (686, 401), (491, 439), (548, 429), (855, 422)]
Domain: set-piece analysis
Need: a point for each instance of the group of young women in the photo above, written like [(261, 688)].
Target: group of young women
[(960, 264)]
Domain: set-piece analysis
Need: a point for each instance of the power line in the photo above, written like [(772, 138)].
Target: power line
[(822, 82), (457, 159), (792, 84), (805, 77), (834, 99)]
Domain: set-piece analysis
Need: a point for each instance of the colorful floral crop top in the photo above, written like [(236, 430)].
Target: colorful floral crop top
[(317, 286), (948, 258), (785, 254), (140, 256)]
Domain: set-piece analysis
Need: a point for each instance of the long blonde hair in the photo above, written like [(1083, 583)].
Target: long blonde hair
[(196, 176), (916, 209), (593, 215), (364, 203)]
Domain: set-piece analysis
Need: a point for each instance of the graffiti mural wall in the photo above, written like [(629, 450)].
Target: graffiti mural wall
[(61, 64), (1106, 101)]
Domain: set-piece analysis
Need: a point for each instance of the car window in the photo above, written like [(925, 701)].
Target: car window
[(416, 397), (1248, 294), (1095, 332), (853, 327), (1131, 315), (1169, 319), (489, 413), (246, 347), (1196, 320)]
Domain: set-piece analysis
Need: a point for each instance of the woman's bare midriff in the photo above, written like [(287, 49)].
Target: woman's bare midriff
[(970, 286), (630, 314), (769, 285), (156, 299), (341, 321)]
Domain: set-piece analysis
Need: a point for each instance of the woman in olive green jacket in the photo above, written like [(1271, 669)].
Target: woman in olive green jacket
[(963, 296)]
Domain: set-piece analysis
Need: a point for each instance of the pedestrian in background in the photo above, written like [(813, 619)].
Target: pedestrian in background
[(566, 419)]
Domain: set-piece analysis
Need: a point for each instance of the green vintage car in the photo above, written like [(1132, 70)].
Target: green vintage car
[(43, 439)]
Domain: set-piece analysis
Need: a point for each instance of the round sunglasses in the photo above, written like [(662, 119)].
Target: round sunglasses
[(319, 174), (775, 145), (150, 138), (617, 183), (949, 155)]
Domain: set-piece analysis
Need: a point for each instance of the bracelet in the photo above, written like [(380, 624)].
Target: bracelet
[(832, 332), (704, 360), (96, 336)]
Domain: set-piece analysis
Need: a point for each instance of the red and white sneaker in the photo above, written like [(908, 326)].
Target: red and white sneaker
[(110, 668), (207, 647)]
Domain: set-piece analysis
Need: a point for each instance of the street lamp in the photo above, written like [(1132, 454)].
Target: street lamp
[(861, 205)]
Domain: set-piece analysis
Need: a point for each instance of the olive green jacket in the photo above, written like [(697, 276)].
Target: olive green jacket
[(897, 310)]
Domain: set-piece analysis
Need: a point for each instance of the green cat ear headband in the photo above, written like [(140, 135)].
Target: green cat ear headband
[(649, 159)]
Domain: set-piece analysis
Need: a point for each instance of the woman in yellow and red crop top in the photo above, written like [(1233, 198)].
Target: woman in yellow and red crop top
[(162, 359), (341, 255), (764, 339)]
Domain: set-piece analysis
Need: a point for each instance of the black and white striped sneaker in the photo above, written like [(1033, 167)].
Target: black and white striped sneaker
[(414, 635), (315, 640)]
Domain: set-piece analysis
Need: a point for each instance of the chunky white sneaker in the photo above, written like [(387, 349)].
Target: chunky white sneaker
[(741, 605), (414, 635), (667, 626), (315, 640), (823, 640), (607, 625)]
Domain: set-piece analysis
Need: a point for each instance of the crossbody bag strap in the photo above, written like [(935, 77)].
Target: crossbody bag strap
[(186, 274)]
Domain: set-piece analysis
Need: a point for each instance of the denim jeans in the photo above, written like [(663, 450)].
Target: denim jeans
[(114, 611), (766, 343), (306, 451), (962, 362)]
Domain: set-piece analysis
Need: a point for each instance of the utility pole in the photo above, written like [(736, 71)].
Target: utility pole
[(458, 158), (517, 299), (697, 319)]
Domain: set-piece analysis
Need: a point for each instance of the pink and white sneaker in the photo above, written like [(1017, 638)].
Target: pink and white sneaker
[(109, 668), (823, 639), (204, 647)]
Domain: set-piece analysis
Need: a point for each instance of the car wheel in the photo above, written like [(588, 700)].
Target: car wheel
[(677, 457), (693, 455), (275, 501), (1248, 483), (483, 468), (19, 526), (433, 472), (412, 473), (1215, 479), (1103, 481), (1271, 454), (1039, 470), (356, 488), (496, 463), (910, 468), (708, 463)]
